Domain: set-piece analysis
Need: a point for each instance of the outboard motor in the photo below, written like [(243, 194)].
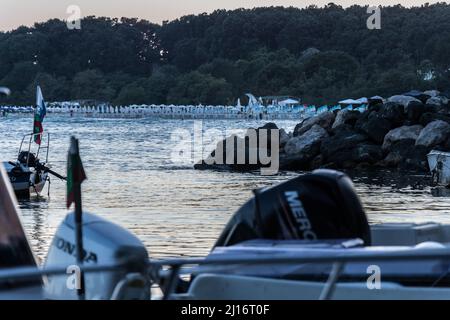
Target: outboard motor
[(104, 243), (315, 206), (28, 159)]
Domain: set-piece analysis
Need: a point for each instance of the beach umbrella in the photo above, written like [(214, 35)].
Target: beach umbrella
[(349, 101), (4, 91)]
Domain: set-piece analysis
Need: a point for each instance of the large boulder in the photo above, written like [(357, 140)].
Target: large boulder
[(401, 133), (406, 155), (432, 93), (394, 112), (339, 148), (434, 133), (414, 111), (375, 107), (399, 151), (284, 137), (300, 150), (438, 105), (375, 126), (428, 117), (345, 117), (403, 100), (243, 149), (437, 101), (219, 158), (367, 153), (325, 120)]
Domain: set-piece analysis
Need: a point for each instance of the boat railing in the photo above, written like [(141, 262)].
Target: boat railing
[(30, 138), (170, 269)]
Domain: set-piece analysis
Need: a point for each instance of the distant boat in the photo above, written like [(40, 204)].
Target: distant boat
[(439, 164), (28, 174)]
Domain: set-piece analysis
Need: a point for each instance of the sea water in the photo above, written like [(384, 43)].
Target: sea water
[(175, 210)]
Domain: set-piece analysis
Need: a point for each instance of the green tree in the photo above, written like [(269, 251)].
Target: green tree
[(196, 88)]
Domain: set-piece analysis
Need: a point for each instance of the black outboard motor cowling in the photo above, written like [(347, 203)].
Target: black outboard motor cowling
[(27, 158), (314, 206)]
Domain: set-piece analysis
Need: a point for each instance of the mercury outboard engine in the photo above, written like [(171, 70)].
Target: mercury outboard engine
[(315, 206), (104, 243)]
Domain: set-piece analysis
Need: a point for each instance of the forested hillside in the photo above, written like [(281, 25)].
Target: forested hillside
[(319, 54)]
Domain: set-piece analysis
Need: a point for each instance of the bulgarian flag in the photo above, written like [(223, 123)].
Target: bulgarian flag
[(39, 114), (75, 174)]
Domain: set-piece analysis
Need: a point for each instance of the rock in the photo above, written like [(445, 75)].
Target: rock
[(325, 120), (339, 148), (346, 117), (416, 159), (437, 101), (417, 94), (218, 159), (444, 146), (428, 117), (284, 137), (376, 127), (434, 133), (317, 162), (393, 159), (300, 150), (432, 93), (367, 153), (414, 111), (375, 107), (406, 155), (297, 128), (306, 143), (399, 151), (401, 133), (394, 112), (242, 149), (268, 126), (438, 105), (403, 100)]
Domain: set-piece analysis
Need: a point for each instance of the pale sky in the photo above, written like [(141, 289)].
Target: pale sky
[(14, 13)]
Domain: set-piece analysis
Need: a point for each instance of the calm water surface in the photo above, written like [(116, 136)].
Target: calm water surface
[(172, 208)]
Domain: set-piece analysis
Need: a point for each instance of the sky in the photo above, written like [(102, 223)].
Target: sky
[(14, 13)]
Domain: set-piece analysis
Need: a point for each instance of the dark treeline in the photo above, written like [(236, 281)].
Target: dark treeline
[(319, 54)]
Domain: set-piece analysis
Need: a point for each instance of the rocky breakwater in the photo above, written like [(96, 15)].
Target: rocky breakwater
[(397, 134)]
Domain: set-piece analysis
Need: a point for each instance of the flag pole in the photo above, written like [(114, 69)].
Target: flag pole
[(74, 150)]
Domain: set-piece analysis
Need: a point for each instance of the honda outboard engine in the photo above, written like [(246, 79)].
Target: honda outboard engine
[(104, 243), (315, 206)]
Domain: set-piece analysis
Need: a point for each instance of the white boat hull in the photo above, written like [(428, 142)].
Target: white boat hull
[(25, 181), (439, 164)]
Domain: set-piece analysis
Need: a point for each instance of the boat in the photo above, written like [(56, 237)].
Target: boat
[(28, 173), (307, 238), (439, 164)]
